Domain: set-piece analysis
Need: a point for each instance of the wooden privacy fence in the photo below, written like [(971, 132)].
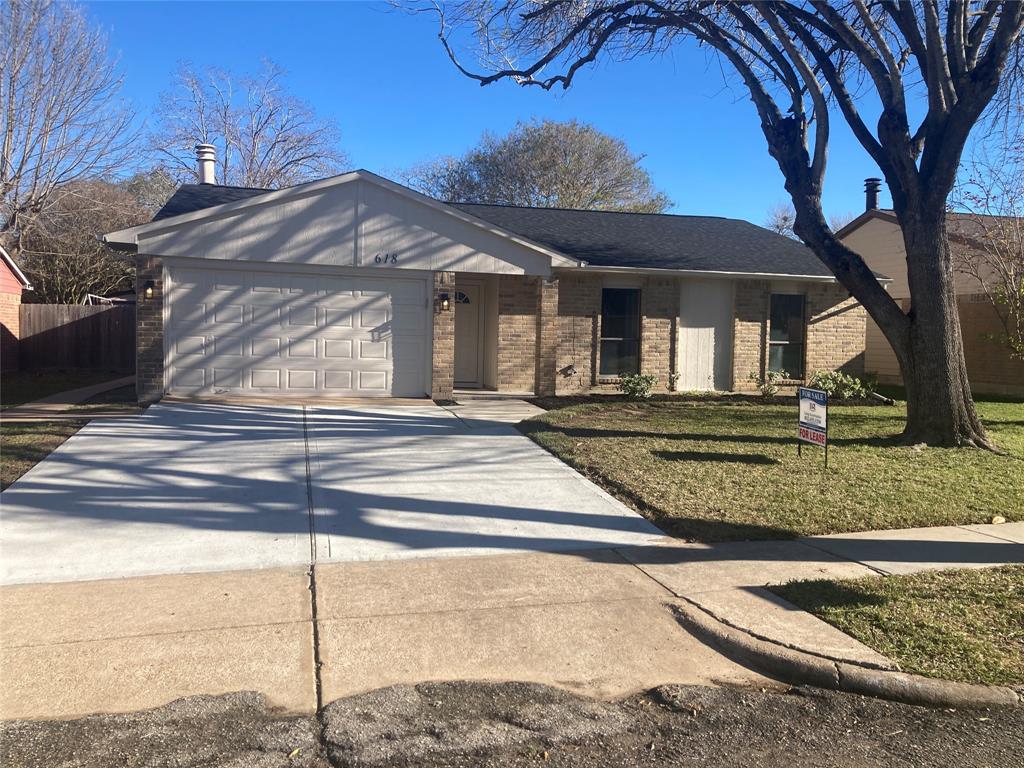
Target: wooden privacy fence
[(77, 336)]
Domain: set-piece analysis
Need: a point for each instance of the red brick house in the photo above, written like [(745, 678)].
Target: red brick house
[(358, 286), (12, 283)]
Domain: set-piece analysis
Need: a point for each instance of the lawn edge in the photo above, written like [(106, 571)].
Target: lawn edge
[(801, 668)]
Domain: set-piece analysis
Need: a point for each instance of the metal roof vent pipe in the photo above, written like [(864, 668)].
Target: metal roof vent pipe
[(206, 157), (872, 186)]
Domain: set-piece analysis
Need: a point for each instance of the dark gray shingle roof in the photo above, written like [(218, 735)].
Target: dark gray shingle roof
[(656, 240), (195, 197), (604, 238)]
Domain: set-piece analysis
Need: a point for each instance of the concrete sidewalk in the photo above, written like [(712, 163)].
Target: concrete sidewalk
[(729, 580), (61, 406), (588, 622), (597, 622)]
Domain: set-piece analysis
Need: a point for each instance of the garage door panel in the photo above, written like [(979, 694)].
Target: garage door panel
[(265, 378), (229, 314), (229, 346), (338, 349), (299, 378), (234, 332), (302, 316)]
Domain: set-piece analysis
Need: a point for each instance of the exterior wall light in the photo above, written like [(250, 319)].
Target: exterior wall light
[(446, 303), (148, 289)]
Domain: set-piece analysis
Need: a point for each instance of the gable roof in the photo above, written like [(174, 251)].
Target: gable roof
[(599, 239), (657, 240), (206, 201), (195, 197), (18, 274)]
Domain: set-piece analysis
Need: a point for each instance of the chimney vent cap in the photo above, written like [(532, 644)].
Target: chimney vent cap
[(206, 155)]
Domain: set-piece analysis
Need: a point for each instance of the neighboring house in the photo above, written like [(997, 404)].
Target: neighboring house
[(355, 285), (12, 283), (877, 237)]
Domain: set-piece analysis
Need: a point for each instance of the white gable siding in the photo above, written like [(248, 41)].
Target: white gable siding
[(347, 225)]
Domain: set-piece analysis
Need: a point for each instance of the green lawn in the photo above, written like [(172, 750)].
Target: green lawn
[(22, 446), (19, 387), (963, 625), (727, 468)]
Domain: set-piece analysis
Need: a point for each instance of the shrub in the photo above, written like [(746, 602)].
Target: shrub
[(842, 386), (636, 386), (769, 384)]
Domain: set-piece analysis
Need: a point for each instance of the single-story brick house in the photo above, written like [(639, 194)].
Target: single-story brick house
[(12, 283), (358, 286)]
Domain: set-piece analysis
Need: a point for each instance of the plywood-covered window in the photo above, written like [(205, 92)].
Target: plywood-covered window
[(620, 331)]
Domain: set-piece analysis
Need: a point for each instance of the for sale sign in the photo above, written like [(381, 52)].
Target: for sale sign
[(813, 416)]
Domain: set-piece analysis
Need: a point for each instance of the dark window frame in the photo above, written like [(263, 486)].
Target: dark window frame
[(624, 340), (797, 375)]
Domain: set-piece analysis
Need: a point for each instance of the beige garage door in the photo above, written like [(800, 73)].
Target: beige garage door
[(229, 331)]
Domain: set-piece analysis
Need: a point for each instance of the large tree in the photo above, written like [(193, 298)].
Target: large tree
[(61, 116), (547, 164), (929, 69), (265, 136), (62, 252)]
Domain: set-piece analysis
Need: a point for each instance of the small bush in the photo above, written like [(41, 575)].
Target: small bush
[(769, 384), (842, 386), (636, 386)]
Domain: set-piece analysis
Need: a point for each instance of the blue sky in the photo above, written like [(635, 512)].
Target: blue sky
[(384, 78)]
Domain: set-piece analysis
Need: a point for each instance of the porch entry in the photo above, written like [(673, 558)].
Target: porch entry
[(469, 355)]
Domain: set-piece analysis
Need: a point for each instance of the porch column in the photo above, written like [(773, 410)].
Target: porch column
[(442, 377), (149, 329), (547, 337)]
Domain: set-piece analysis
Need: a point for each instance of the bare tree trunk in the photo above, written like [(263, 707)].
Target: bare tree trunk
[(940, 410)]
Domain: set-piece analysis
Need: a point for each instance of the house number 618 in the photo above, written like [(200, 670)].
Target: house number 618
[(386, 258)]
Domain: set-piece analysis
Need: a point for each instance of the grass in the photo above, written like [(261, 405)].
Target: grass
[(19, 387), (122, 398), (26, 444), (965, 625), (727, 468)]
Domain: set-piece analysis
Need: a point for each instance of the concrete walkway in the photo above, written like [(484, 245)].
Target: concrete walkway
[(61, 406), (597, 622)]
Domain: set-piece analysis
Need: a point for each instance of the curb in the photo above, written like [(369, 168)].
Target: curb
[(799, 668)]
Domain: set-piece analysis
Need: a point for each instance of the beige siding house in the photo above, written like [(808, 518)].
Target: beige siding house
[(357, 286), (877, 237)]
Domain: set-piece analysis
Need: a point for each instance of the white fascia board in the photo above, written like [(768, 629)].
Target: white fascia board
[(15, 269), (131, 235), (719, 274)]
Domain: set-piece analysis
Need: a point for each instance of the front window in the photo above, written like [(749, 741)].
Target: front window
[(620, 331), (786, 335)]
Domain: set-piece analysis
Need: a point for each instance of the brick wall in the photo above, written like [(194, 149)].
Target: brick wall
[(517, 333), (547, 337), (836, 325), (659, 313), (149, 335), (10, 329), (442, 377), (579, 317), (749, 333)]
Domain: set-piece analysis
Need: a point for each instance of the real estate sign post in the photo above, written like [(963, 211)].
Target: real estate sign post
[(813, 420)]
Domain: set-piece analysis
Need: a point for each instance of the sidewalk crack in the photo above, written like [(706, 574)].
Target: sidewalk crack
[(317, 664)]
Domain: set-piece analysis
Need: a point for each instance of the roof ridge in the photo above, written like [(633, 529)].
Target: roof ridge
[(230, 186), (592, 210)]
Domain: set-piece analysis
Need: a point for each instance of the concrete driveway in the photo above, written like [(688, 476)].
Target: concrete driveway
[(204, 487)]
